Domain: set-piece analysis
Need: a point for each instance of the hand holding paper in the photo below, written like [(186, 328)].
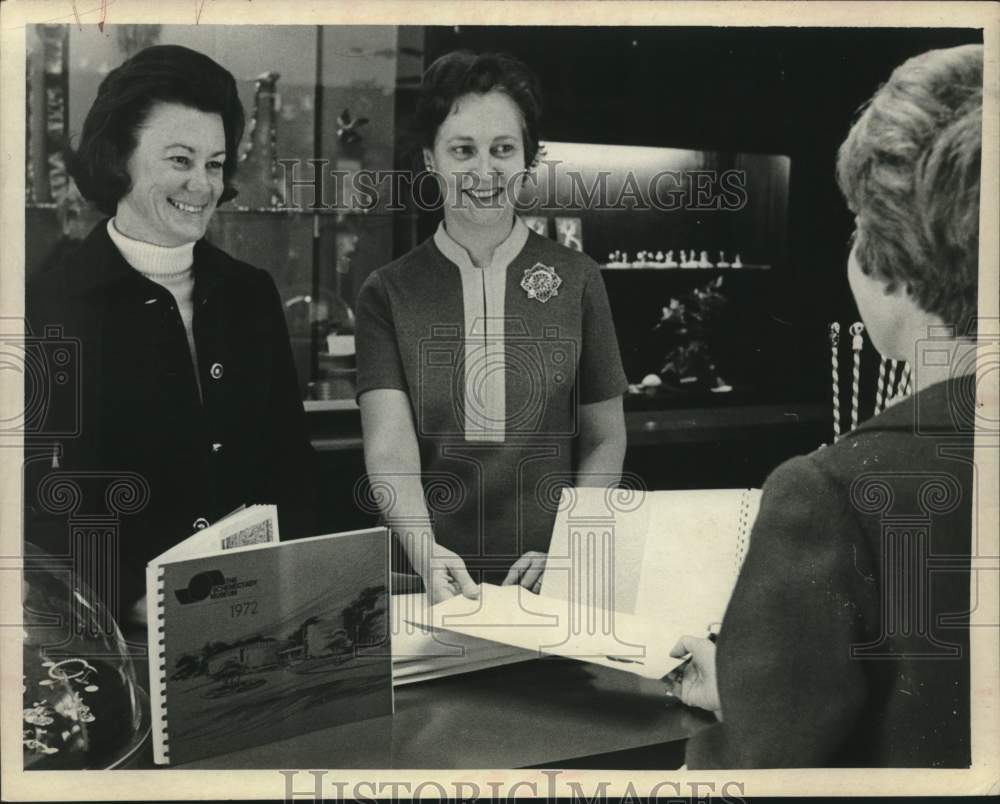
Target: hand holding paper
[(527, 571), (694, 681), (445, 575)]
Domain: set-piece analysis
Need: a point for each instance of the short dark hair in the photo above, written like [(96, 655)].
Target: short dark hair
[(909, 170), (126, 96), (462, 72)]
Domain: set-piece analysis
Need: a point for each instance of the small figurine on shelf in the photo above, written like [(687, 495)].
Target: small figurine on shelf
[(349, 129), (684, 259), (569, 233), (659, 259), (670, 262), (722, 263), (736, 262), (703, 260), (260, 186)]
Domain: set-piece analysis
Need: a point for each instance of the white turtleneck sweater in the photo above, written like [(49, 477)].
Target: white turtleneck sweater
[(170, 267)]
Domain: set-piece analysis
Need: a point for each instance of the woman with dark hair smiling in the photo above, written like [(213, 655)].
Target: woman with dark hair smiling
[(186, 373), (846, 641), (488, 368)]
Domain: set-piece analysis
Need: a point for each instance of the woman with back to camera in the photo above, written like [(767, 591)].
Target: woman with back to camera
[(843, 644), (488, 368), (186, 372)]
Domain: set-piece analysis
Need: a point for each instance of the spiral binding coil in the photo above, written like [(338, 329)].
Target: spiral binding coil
[(161, 662), (743, 531)]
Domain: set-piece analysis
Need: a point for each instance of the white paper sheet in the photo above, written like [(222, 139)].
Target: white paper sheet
[(420, 653), (540, 625)]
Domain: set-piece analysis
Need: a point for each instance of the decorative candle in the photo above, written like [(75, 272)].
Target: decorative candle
[(835, 375), (857, 342), (880, 385)]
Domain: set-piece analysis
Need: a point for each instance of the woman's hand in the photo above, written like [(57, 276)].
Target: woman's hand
[(527, 571), (694, 681), (447, 576)]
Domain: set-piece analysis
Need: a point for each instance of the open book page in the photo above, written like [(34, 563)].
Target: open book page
[(420, 653), (668, 556), (255, 524), (693, 553), (541, 625)]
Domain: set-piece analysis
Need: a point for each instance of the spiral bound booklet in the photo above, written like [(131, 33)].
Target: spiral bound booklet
[(253, 640), (627, 574)]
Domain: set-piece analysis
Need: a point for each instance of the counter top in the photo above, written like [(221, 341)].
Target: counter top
[(338, 427), (548, 711)]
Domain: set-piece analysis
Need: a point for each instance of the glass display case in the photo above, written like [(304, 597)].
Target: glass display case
[(692, 244)]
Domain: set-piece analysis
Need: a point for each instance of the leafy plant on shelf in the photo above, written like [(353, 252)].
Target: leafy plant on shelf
[(685, 333)]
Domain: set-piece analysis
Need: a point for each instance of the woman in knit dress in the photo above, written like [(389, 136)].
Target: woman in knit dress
[(488, 369)]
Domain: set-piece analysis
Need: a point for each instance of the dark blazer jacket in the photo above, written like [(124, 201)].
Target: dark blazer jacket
[(846, 640), (125, 405)]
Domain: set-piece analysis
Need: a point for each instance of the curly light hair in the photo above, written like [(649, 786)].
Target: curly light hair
[(909, 170)]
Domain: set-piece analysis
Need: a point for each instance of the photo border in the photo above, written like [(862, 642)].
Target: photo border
[(177, 784)]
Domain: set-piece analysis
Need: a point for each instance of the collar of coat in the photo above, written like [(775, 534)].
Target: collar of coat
[(97, 264), (945, 408)]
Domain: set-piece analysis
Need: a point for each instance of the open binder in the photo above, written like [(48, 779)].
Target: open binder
[(628, 573)]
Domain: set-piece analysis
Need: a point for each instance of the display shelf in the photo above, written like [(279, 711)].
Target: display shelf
[(340, 428), (346, 212), (699, 424), (678, 270), (329, 405)]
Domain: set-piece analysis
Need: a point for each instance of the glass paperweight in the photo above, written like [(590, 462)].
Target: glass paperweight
[(82, 706)]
